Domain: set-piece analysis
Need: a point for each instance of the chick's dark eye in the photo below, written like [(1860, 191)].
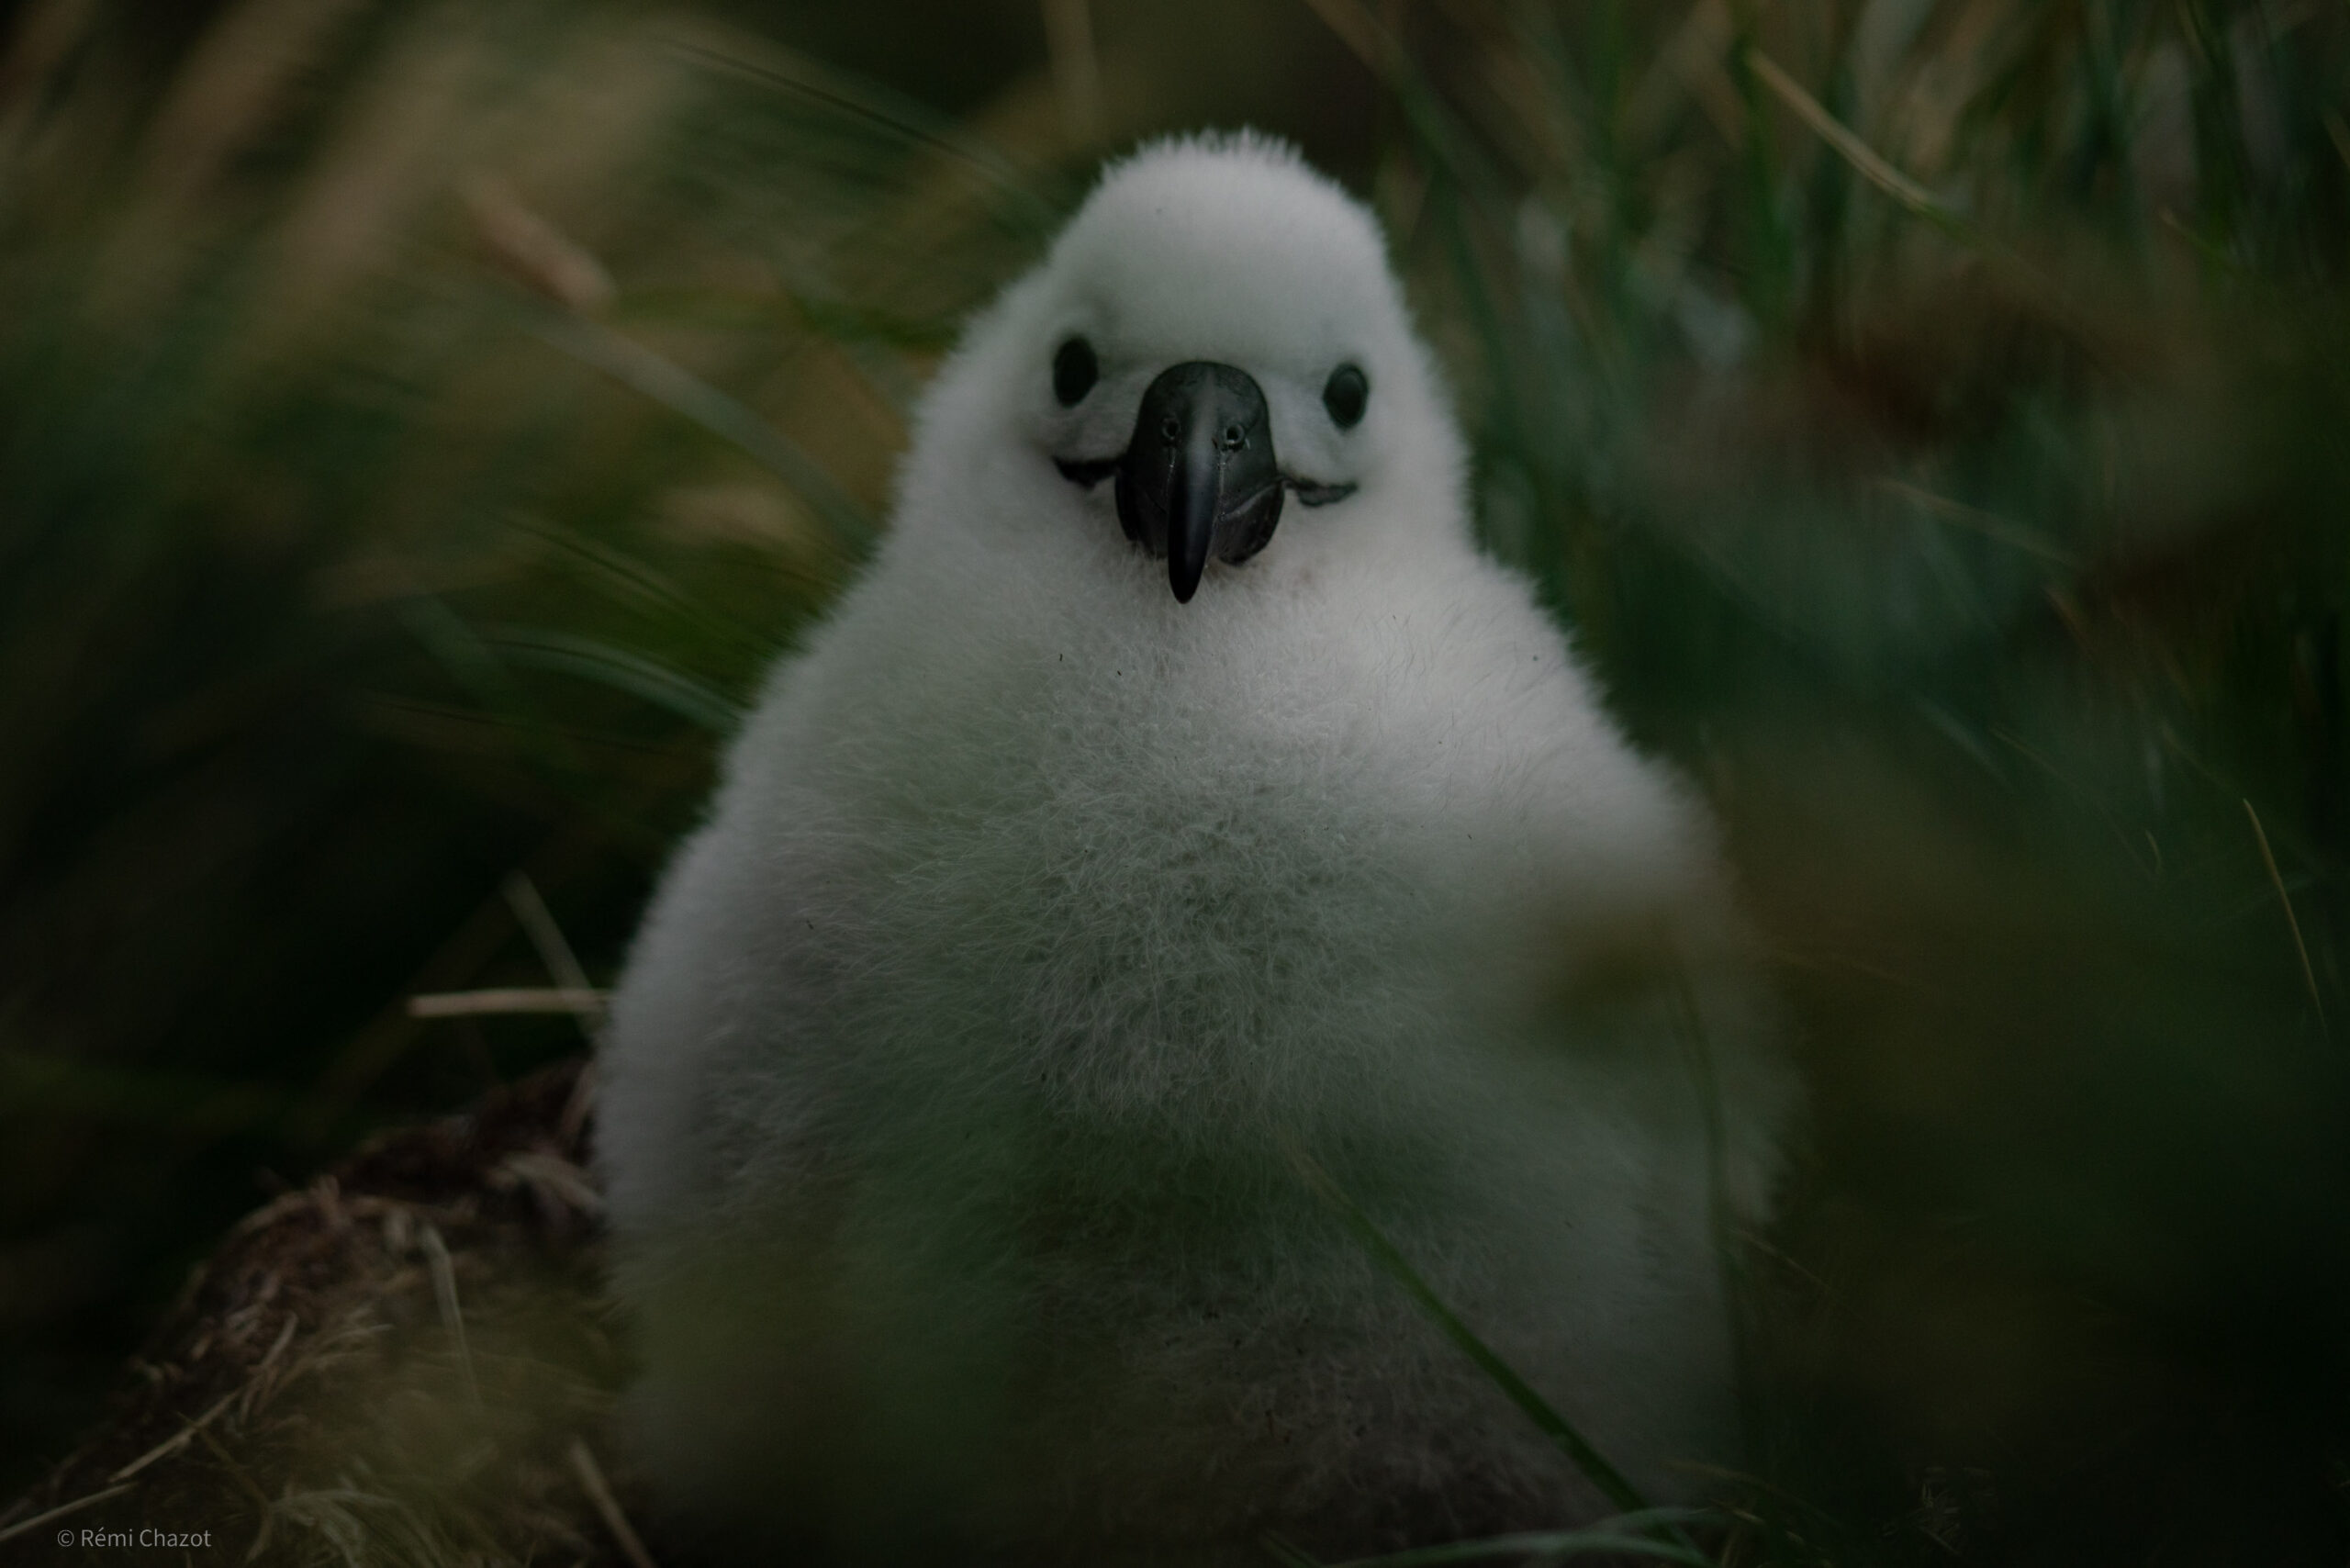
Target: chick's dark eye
[(1345, 395), (1075, 370)]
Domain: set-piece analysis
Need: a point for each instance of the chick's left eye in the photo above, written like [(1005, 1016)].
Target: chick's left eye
[(1345, 395), (1075, 370)]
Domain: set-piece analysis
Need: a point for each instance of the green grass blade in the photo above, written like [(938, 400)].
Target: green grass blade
[(640, 675), (1558, 1546), (678, 390), (633, 582), (37, 1084), (1286, 1553), (1587, 1458), (893, 116)]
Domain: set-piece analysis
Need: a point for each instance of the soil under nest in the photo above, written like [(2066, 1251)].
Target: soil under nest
[(409, 1362)]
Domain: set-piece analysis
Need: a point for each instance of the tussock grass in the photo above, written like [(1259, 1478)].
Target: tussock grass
[(423, 422)]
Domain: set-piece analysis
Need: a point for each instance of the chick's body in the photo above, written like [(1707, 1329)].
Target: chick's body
[(958, 1081)]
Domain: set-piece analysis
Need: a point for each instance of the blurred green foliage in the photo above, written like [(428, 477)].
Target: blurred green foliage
[(422, 423), (1929, 417)]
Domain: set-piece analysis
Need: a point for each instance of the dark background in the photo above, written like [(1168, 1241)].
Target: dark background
[(1963, 506)]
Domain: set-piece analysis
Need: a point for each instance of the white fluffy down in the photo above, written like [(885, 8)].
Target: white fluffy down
[(953, 1087)]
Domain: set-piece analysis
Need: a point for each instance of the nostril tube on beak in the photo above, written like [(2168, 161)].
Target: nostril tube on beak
[(1201, 476)]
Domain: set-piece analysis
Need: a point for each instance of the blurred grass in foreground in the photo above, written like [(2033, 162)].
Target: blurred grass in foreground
[(422, 423), (1931, 417)]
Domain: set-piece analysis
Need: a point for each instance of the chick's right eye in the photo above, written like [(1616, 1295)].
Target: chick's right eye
[(1075, 370), (1345, 395)]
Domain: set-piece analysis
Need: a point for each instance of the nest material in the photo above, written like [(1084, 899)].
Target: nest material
[(410, 1363)]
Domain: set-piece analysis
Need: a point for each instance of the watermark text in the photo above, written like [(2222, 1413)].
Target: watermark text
[(134, 1538)]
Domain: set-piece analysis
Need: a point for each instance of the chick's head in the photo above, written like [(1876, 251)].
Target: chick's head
[(1215, 349)]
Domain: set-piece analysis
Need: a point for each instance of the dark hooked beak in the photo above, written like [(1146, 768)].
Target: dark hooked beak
[(1200, 476)]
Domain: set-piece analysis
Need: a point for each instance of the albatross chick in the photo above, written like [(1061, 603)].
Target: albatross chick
[(1180, 796)]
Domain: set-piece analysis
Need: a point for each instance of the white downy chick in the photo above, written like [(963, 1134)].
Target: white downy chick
[(1127, 832)]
